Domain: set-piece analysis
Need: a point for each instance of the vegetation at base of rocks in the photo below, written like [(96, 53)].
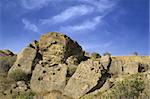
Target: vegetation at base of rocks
[(25, 95), (5, 82), (106, 53), (128, 88), (20, 95), (18, 75), (6, 91), (95, 55)]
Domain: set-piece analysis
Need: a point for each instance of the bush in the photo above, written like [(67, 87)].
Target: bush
[(135, 54), (128, 89)]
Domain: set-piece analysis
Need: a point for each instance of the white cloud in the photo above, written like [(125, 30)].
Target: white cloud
[(86, 8), (69, 13), (100, 5), (28, 25), (85, 26), (32, 4)]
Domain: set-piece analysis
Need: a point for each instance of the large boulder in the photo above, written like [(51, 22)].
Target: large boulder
[(60, 54), (23, 65), (84, 79), (46, 78), (116, 67), (7, 59), (57, 47)]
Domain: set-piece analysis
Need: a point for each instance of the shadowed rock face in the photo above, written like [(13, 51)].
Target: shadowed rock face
[(56, 67)]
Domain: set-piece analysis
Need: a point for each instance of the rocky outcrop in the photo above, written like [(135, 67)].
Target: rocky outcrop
[(72, 64), (48, 78), (116, 67), (105, 61), (56, 48), (56, 67), (132, 68), (84, 79), (23, 65)]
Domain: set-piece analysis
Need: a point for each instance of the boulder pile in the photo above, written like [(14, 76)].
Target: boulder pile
[(56, 67)]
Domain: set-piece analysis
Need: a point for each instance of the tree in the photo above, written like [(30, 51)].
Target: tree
[(135, 53)]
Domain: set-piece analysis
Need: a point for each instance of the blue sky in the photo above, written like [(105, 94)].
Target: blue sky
[(120, 27)]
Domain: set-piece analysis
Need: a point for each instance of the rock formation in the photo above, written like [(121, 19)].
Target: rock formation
[(80, 83), (23, 64), (56, 67)]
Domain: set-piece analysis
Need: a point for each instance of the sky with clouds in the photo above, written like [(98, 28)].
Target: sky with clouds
[(120, 27)]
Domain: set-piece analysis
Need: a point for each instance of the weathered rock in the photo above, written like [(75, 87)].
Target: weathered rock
[(132, 68), (72, 63), (72, 60), (57, 47), (105, 61), (19, 86), (34, 44), (116, 67), (24, 63), (65, 72), (47, 78), (84, 79)]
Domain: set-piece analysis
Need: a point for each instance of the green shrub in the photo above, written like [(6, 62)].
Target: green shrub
[(129, 88), (135, 53)]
